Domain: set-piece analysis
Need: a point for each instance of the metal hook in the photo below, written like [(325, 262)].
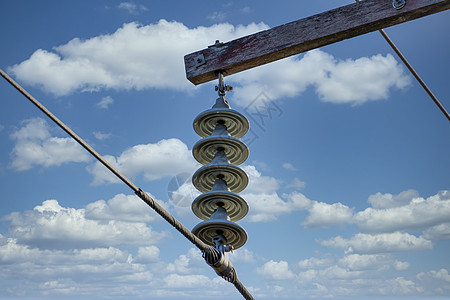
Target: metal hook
[(222, 88)]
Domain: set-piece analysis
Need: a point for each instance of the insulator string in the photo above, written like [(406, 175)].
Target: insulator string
[(209, 253)]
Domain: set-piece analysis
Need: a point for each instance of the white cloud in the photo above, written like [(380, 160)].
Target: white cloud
[(245, 9), (147, 255), (132, 7), (314, 263), (379, 243), (259, 183), (35, 146), (264, 202), (105, 102), (52, 226), (267, 207), (185, 264), (289, 166), (418, 213), (296, 184), (165, 158), (366, 262), (400, 286), (217, 16), (101, 136), (50, 272), (186, 281), (441, 274), (102, 272), (350, 81), (438, 232), (182, 192), (151, 56), (128, 208), (242, 256), (387, 200), (323, 214), (133, 57), (276, 270)]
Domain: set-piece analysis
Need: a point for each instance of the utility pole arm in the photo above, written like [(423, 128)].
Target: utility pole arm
[(299, 36)]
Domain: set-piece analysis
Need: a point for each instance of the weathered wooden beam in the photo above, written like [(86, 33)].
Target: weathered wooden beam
[(303, 35)]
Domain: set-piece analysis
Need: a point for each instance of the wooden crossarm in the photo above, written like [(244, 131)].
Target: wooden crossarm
[(299, 36)]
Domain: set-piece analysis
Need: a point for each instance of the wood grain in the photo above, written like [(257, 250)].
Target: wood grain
[(303, 35)]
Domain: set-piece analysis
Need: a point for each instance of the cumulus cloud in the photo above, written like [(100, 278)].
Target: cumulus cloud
[(441, 274), (400, 286), (105, 102), (409, 212), (242, 256), (314, 263), (35, 146), (276, 270), (296, 184), (133, 57), (34, 263), (364, 262), (52, 226), (337, 81), (97, 272), (323, 214), (265, 207), (147, 255), (154, 161), (265, 203), (132, 7), (349, 267), (289, 166), (128, 208), (438, 232), (379, 243), (217, 16), (388, 200), (151, 56), (101, 136)]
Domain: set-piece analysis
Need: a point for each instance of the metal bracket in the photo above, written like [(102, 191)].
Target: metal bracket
[(221, 243), (398, 4), (222, 88), (199, 60)]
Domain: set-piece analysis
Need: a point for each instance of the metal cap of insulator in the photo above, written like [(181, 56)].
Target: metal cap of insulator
[(220, 196), (221, 113), (204, 178), (205, 149), (220, 224)]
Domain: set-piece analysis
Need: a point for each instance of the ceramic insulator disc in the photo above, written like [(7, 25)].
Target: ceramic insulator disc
[(236, 123), (205, 204), (235, 177), (235, 234), (235, 150)]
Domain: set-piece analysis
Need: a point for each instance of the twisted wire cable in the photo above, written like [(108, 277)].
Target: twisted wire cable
[(211, 255)]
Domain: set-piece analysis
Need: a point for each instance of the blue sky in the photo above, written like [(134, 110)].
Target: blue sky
[(349, 188)]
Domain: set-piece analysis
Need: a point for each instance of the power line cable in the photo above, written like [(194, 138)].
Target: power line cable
[(211, 255)]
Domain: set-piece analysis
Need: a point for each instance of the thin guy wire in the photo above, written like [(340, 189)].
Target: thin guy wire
[(206, 249), (413, 72)]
